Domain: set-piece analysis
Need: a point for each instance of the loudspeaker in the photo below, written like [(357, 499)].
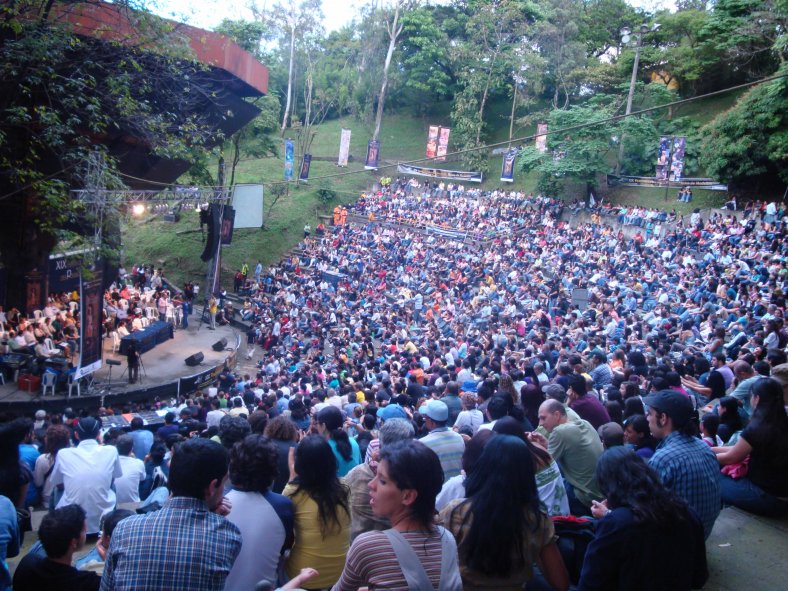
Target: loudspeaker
[(195, 359), (112, 362), (220, 345)]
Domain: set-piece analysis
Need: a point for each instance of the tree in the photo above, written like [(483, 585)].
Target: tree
[(751, 139), (394, 26), (577, 154)]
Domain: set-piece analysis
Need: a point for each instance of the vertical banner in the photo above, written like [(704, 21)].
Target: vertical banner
[(33, 300), (373, 155), (443, 143), (507, 170), (344, 147), (432, 141), (677, 159), (289, 156), (663, 159), (90, 310), (541, 137), (228, 222), (305, 164)]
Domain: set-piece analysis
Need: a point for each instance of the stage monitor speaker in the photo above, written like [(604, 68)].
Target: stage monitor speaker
[(112, 362), (220, 345), (195, 359)]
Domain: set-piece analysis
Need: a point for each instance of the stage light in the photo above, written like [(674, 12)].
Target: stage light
[(138, 209)]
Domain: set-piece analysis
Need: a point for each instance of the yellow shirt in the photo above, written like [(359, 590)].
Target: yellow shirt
[(327, 555)]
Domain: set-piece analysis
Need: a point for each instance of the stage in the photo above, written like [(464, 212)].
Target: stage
[(162, 371)]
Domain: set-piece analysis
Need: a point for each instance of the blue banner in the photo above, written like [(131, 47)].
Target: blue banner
[(289, 155), (507, 170), (305, 164), (373, 155)]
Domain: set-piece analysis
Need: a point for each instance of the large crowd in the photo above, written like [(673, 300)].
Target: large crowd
[(556, 405)]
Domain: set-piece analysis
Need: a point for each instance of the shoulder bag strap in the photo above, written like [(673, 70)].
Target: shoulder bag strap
[(450, 568), (409, 562)]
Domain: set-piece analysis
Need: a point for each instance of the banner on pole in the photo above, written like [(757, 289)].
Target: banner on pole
[(344, 147), (373, 155), (289, 157), (663, 159), (441, 173), (677, 160), (443, 143), (305, 164), (91, 309), (541, 137), (507, 169), (228, 223), (432, 141)]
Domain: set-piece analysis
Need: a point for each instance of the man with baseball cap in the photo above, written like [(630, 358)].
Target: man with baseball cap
[(87, 472), (441, 439), (685, 464)]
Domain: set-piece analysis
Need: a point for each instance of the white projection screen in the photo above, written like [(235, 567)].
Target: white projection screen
[(248, 204)]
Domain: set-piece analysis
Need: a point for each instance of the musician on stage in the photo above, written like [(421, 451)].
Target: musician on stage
[(133, 357)]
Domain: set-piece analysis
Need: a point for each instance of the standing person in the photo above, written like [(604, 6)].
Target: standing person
[(87, 473), (62, 533), (213, 307), (133, 361), (764, 489), (265, 519), (414, 553), (685, 465), (647, 538), (187, 545), (322, 512), (258, 271), (500, 553)]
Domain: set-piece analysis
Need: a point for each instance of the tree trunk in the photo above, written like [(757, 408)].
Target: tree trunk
[(394, 30), (511, 117), (289, 80), (483, 102)]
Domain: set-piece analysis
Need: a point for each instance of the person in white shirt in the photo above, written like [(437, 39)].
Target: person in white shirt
[(87, 472), (127, 487)]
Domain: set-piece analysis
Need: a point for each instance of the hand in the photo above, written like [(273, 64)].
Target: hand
[(101, 549), (302, 577), (291, 463), (599, 509), (224, 507), (537, 439)]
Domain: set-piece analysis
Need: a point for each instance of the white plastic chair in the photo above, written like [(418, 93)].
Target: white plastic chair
[(73, 383), (145, 322), (115, 341), (73, 307), (37, 314), (50, 346), (49, 381)]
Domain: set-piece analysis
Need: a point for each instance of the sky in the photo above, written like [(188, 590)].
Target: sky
[(206, 14)]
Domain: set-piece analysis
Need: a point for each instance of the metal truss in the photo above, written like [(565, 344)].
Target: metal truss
[(104, 197)]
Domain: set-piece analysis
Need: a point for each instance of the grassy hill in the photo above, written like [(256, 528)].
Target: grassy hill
[(403, 138)]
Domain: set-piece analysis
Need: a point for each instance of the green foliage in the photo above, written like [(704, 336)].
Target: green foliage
[(750, 139), (326, 193)]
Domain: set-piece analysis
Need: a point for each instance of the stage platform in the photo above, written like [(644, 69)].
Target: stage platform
[(161, 371)]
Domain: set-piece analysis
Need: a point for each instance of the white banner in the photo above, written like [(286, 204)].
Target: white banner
[(344, 147)]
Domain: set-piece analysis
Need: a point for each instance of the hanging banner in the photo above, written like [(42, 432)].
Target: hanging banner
[(443, 144), (305, 164), (663, 159), (373, 155), (541, 137), (432, 141), (90, 311), (677, 159), (440, 173), (228, 222), (289, 156), (507, 170), (344, 147)]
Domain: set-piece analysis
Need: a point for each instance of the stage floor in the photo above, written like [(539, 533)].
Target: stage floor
[(162, 365)]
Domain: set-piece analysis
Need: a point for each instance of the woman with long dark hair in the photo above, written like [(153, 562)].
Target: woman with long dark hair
[(647, 538), (322, 512), (330, 425), (57, 437), (500, 536), (414, 553), (764, 489)]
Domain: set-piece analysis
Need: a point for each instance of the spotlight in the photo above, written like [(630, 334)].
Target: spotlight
[(138, 209)]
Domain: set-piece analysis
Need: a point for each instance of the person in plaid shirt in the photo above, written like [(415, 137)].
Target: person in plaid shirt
[(188, 545)]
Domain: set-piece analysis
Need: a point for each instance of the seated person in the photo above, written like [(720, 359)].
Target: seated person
[(94, 560), (62, 533)]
